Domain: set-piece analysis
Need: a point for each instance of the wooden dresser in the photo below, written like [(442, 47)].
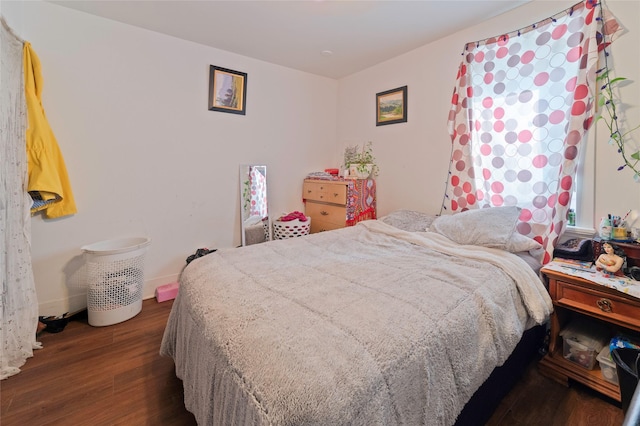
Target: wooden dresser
[(336, 203), (576, 296)]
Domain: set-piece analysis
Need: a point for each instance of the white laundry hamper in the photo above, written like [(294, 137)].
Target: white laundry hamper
[(115, 279), (290, 228)]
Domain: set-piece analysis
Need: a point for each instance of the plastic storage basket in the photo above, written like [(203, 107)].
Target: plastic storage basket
[(290, 229), (115, 279), (607, 366)]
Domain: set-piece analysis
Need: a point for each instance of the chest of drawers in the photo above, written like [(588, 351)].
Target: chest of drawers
[(336, 203)]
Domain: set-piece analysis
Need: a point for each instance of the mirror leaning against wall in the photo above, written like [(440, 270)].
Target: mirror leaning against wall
[(254, 220)]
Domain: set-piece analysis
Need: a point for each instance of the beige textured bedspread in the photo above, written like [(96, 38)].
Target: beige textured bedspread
[(367, 325)]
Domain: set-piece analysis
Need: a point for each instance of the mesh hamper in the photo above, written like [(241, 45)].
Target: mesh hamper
[(290, 229), (115, 279)]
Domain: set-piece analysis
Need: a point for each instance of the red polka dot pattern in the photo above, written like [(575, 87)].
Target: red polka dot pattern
[(521, 108)]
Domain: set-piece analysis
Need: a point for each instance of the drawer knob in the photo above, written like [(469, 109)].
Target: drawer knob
[(308, 191), (323, 213), (335, 194), (604, 305)]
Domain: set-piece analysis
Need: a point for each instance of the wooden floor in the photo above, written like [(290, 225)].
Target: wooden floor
[(114, 376)]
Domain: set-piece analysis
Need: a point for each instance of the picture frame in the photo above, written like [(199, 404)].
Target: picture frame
[(227, 90), (391, 106)]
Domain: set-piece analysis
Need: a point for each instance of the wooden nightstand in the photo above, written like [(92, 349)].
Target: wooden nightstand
[(574, 296), (336, 203)]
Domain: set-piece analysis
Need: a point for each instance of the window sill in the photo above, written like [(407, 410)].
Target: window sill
[(578, 232)]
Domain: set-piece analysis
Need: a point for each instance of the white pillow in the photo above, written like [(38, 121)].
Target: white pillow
[(519, 242), (489, 227)]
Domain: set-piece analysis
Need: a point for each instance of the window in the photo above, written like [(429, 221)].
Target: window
[(519, 119)]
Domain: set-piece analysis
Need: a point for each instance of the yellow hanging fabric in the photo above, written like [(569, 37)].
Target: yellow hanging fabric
[(49, 184)]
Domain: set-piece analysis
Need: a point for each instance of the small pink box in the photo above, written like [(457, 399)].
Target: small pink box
[(166, 292)]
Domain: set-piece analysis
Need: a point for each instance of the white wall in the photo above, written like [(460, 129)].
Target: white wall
[(413, 156), (145, 156), (616, 191)]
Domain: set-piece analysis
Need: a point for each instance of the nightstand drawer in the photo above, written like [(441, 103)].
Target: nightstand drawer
[(326, 213), (325, 191), (603, 305)]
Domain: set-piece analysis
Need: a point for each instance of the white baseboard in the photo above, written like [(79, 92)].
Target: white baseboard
[(151, 285), (72, 303), (77, 300)]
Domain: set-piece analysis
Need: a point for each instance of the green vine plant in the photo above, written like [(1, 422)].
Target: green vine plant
[(607, 103)]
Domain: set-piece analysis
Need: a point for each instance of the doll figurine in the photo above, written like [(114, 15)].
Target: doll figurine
[(609, 261)]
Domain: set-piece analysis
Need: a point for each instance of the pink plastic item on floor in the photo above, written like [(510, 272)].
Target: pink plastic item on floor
[(166, 292)]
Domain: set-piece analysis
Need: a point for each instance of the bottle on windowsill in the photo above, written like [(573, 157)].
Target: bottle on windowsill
[(572, 217)]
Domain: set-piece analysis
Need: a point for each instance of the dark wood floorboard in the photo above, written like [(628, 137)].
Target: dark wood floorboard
[(114, 375), (88, 375)]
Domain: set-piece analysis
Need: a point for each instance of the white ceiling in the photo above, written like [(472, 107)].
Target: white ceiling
[(294, 34)]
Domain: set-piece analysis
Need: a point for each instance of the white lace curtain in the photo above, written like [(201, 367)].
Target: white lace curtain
[(522, 106), (19, 308)]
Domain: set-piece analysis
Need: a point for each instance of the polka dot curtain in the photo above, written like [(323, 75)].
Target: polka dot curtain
[(520, 112)]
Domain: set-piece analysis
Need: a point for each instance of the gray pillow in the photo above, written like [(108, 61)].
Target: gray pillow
[(489, 227), (409, 220)]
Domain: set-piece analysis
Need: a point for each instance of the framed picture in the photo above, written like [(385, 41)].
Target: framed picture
[(227, 90), (391, 106)]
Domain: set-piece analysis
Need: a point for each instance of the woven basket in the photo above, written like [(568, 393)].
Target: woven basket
[(290, 229)]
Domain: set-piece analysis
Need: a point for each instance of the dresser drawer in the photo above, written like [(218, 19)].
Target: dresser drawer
[(318, 225), (599, 304), (335, 193), (326, 213)]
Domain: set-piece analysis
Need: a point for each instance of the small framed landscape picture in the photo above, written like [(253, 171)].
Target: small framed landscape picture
[(227, 90), (391, 106)]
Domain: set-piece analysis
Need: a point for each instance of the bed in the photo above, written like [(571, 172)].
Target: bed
[(393, 321)]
